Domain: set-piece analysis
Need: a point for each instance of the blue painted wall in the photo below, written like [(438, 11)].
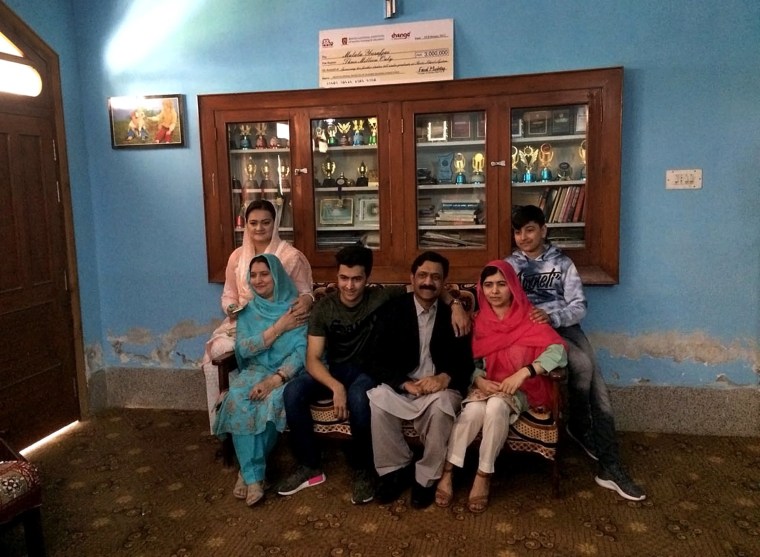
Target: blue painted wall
[(687, 309)]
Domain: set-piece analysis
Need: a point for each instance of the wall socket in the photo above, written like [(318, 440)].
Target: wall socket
[(683, 179)]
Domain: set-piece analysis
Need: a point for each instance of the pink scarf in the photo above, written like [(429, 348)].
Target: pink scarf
[(512, 342)]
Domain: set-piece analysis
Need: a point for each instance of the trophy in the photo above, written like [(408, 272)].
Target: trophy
[(267, 182), (528, 157), (328, 167), (362, 180), (372, 130), (358, 129), (459, 164), (478, 163), (443, 166), (332, 131), (321, 138), (250, 172), (515, 161), (582, 153), (261, 135), (245, 136), (545, 155), (564, 172), (344, 128), (284, 171)]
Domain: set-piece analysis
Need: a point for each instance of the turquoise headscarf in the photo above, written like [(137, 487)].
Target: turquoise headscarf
[(259, 315)]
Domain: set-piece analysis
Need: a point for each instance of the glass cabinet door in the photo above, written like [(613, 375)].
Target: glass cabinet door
[(259, 158), (548, 158), (451, 180), (345, 175)]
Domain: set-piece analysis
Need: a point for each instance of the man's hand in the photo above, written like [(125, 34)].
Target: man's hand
[(460, 320), (433, 383), (340, 402), (512, 383), (412, 388), (539, 316)]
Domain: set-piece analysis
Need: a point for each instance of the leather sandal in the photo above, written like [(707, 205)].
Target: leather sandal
[(240, 490), (254, 494), (443, 498), (479, 503)]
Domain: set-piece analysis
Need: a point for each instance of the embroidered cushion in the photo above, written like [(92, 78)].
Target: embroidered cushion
[(20, 488)]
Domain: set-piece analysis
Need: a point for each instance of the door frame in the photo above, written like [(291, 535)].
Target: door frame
[(50, 103)]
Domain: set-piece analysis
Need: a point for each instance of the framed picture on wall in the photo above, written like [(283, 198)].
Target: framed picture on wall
[(150, 121)]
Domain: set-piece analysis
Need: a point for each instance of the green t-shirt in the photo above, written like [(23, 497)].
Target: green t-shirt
[(347, 330)]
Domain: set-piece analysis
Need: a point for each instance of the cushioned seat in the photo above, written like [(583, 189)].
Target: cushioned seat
[(21, 497)]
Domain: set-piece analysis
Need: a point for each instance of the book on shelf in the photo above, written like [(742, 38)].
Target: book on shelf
[(578, 213), (454, 205)]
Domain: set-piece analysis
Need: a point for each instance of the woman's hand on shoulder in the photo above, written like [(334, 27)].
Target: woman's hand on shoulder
[(290, 320)]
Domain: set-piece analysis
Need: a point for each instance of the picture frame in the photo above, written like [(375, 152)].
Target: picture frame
[(438, 130), (517, 126), (481, 127), (461, 127), (334, 211), (581, 119), (369, 210), (149, 121), (562, 121), (537, 123)]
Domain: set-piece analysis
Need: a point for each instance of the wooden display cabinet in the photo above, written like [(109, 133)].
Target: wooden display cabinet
[(405, 168)]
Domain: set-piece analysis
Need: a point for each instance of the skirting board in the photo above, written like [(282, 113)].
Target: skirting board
[(663, 409)]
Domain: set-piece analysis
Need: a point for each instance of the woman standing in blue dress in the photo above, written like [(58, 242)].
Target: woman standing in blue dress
[(270, 347)]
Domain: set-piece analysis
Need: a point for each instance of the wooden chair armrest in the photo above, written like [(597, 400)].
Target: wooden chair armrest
[(8, 453), (225, 364)]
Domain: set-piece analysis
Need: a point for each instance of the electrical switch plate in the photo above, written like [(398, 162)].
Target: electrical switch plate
[(683, 179)]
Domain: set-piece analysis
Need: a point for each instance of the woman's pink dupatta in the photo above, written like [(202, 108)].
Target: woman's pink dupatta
[(512, 342)]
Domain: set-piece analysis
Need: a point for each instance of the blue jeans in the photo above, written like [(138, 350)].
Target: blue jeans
[(590, 408), (304, 389)]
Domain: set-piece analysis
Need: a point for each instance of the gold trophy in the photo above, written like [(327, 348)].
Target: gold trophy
[(362, 180), (515, 161), (267, 182), (372, 130), (245, 136), (478, 163), (332, 131), (459, 163), (545, 155), (358, 132), (344, 128), (528, 157), (582, 153), (328, 168), (261, 135), (284, 171), (250, 172)]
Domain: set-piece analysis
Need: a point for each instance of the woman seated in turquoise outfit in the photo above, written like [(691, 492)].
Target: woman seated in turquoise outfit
[(270, 347)]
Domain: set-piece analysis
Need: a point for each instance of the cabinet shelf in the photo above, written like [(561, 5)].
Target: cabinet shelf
[(334, 148), (434, 187), (274, 150), (548, 138), (351, 189), (557, 183), (451, 143)]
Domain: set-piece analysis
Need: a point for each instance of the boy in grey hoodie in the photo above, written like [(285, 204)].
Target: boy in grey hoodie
[(554, 287)]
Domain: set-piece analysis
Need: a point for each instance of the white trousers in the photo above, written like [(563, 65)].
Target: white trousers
[(492, 416)]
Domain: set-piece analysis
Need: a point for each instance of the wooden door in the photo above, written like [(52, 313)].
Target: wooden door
[(38, 389)]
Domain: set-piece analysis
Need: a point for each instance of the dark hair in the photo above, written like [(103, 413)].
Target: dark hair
[(487, 271), (524, 214), (433, 257), (261, 204), (351, 256), (259, 259)]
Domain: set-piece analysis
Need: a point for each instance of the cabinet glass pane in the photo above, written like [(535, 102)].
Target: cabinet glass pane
[(451, 180), (345, 170), (549, 168), (260, 168)]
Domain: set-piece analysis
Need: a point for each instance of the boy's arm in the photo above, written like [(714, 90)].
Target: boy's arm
[(574, 309), (315, 348)]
